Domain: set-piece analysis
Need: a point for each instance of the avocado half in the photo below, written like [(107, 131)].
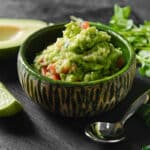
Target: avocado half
[(13, 33)]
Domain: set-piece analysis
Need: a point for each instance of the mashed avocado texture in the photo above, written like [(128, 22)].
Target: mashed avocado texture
[(83, 53)]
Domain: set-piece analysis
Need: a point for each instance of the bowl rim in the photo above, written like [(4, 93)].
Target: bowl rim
[(106, 28)]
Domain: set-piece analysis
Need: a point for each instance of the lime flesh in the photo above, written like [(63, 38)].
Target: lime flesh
[(9, 105)]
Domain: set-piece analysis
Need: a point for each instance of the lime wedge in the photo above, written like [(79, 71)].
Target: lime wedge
[(8, 104)]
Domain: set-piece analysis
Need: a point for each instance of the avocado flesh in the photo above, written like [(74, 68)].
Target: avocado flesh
[(13, 33)]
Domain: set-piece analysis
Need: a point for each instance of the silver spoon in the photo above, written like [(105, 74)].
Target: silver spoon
[(107, 132)]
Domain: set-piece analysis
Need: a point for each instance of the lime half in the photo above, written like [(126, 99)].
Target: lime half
[(8, 104)]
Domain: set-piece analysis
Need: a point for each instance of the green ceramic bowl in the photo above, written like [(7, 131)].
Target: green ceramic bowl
[(76, 99)]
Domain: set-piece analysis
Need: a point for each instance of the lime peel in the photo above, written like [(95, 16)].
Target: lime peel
[(9, 105)]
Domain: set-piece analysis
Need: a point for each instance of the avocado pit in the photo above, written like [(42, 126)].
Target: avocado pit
[(9, 32)]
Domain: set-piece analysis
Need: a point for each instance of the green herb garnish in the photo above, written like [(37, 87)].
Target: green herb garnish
[(137, 36)]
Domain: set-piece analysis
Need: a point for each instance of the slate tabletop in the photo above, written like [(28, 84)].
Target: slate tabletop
[(38, 129)]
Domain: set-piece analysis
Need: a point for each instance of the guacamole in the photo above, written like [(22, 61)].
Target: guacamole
[(83, 53)]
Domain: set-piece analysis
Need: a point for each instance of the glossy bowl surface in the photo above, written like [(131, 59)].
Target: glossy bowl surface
[(74, 99)]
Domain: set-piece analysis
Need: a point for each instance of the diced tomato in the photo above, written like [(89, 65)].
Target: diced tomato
[(55, 76), (44, 70), (85, 25), (51, 68), (120, 62)]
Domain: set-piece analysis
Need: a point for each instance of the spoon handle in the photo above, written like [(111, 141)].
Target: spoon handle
[(143, 99)]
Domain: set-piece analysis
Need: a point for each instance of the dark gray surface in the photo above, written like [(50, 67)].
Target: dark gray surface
[(54, 10), (37, 129)]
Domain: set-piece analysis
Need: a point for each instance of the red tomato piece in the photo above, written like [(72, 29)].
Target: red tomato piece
[(85, 25), (120, 62), (51, 68), (55, 76)]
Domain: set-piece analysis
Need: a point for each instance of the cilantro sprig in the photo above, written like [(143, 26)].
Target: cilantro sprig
[(137, 36)]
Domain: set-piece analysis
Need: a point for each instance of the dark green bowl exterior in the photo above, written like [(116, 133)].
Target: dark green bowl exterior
[(73, 99)]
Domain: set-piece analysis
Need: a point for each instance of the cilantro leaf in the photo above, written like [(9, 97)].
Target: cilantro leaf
[(119, 20), (137, 36)]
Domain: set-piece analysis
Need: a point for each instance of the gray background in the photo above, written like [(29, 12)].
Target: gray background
[(50, 9)]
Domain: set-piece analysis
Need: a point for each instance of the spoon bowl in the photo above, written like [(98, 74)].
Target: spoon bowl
[(106, 132)]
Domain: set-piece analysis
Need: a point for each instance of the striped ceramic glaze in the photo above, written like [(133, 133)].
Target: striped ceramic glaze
[(72, 100), (76, 101)]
